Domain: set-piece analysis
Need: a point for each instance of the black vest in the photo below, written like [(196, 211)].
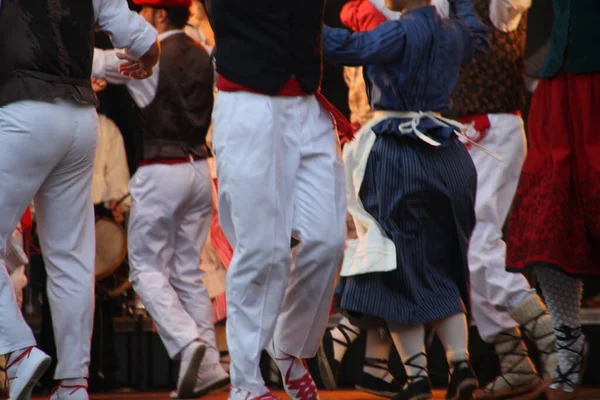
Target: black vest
[(495, 83), (46, 49), (175, 124), (261, 44)]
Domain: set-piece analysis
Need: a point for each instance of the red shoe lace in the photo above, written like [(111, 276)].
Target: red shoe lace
[(74, 387), (304, 387), (10, 363), (24, 354)]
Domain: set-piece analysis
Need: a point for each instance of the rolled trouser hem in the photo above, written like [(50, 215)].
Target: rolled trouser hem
[(18, 346)]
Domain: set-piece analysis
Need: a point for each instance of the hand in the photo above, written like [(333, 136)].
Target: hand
[(98, 85), (139, 68), (117, 213)]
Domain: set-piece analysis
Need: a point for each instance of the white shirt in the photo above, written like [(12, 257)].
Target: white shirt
[(111, 174), (387, 13), (504, 14), (142, 91), (126, 28), (106, 66), (442, 7)]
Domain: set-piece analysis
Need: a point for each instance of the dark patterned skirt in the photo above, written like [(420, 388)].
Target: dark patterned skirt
[(556, 213), (423, 198)]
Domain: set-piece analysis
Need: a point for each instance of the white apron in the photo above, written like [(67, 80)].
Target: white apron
[(373, 251)]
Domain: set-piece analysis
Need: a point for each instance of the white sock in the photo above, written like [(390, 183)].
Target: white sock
[(454, 335), (377, 353), (410, 343), (346, 333)]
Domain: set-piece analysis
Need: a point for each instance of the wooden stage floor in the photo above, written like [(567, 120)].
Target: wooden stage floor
[(586, 394)]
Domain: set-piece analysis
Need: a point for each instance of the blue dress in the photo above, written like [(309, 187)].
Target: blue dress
[(422, 196)]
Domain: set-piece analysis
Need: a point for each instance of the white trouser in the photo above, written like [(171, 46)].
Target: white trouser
[(47, 151), (280, 174), (170, 218), (494, 291)]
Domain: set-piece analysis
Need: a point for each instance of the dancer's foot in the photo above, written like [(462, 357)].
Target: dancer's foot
[(517, 376), (240, 394), (297, 381), (23, 369), (71, 389), (463, 382), (211, 379), (535, 321), (191, 359), (572, 351), (418, 386), (376, 379), (332, 351)]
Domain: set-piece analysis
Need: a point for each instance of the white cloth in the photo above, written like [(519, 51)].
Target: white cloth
[(372, 251), (494, 291), (505, 14), (127, 29), (60, 178), (111, 173), (169, 222), (382, 8), (106, 66), (280, 174), (442, 7)]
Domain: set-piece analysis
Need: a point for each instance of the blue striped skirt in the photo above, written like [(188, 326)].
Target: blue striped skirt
[(423, 197)]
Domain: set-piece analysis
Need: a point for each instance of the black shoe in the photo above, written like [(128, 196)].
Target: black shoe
[(377, 386), (463, 382), (418, 387), (329, 367)]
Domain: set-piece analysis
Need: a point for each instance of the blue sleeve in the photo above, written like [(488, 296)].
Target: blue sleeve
[(474, 32), (378, 46)]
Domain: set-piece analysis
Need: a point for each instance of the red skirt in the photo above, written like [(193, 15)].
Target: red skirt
[(556, 212)]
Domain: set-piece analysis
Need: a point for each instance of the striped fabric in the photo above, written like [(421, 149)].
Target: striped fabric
[(423, 198)]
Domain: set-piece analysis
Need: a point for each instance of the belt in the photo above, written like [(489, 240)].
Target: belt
[(171, 160)]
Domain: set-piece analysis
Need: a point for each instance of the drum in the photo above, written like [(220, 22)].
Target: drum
[(111, 250)]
